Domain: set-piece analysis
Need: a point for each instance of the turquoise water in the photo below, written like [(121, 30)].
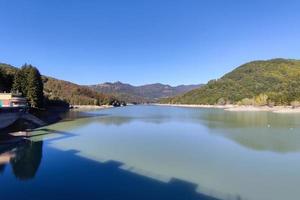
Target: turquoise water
[(153, 152)]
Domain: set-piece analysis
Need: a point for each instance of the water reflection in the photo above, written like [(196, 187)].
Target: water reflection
[(197, 151), (2, 168), (25, 159), (263, 131)]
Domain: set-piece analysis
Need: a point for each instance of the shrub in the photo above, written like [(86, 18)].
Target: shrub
[(261, 100), (221, 101), (247, 102), (295, 104)]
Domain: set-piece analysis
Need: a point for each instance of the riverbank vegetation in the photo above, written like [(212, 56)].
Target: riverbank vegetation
[(272, 82)]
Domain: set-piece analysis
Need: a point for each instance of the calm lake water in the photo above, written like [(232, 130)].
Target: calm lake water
[(152, 152)]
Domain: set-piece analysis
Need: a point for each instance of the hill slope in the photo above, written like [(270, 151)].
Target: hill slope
[(144, 93), (275, 81), (72, 93), (55, 89)]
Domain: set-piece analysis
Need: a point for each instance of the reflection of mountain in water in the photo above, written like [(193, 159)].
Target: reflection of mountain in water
[(162, 143), (256, 130)]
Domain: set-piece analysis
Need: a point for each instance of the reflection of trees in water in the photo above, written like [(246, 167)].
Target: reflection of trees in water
[(27, 160), (115, 120), (2, 168), (120, 120), (249, 119), (263, 131)]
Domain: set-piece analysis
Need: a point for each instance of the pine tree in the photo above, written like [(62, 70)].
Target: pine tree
[(1, 80), (20, 84), (29, 82), (35, 88), (6, 80)]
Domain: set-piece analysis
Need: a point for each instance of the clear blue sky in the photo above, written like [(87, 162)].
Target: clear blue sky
[(146, 41)]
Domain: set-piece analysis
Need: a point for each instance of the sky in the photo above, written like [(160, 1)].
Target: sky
[(146, 41)]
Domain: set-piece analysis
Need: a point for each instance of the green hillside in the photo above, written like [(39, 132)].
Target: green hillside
[(273, 82)]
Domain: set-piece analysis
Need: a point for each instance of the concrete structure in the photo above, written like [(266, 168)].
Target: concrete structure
[(10, 100)]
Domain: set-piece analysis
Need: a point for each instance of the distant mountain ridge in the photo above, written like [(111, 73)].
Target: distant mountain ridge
[(99, 94), (143, 93)]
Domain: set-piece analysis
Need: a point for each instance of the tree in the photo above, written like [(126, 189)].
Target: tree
[(6, 80), (35, 88), (20, 82), (29, 82), (1, 80)]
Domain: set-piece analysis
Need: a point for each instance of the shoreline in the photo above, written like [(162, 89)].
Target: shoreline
[(89, 107), (49, 116), (237, 108)]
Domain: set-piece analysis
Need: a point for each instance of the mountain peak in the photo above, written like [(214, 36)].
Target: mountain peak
[(143, 93)]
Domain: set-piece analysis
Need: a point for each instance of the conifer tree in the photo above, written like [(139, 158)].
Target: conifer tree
[(29, 82), (1, 80), (20, 82), (35, 88)]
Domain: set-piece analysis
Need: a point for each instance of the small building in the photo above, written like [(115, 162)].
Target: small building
[(11, 100)]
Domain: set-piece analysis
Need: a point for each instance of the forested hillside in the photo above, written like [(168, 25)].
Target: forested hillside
[(12, 78), (271, 82), (74, 94)]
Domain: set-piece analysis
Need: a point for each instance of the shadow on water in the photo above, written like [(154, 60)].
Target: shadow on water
[(70, 176)]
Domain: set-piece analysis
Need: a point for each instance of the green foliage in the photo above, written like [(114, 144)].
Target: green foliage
[(247, 102), (272, 82), (35, 93), (6, 77), (221, 101), (1, 79), (28, 81), (261, 100), (20, 81)]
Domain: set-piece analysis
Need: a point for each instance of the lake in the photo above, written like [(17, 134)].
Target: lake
[(155, 152)]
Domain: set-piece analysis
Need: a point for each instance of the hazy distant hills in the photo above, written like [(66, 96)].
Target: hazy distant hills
[(144, 93), (273, 82)]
